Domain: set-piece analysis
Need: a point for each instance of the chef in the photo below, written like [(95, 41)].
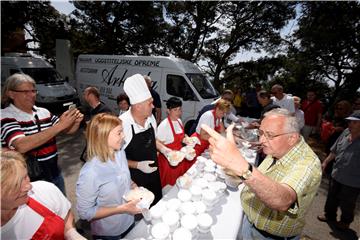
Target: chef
[(139, 126)]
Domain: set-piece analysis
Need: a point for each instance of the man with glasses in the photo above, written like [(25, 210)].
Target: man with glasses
[(278, 193), (31, 130)]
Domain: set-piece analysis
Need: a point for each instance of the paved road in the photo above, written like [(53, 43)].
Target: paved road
[(70, 148)]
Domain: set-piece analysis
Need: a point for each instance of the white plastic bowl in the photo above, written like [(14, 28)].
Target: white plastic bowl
[(160, 231), (171, 218), (200, 207), (156, 213), (208, 197), (182, 234), (187, 208), (196, 192), (204, 222), (184, 195), (189, 222), (173, 204)]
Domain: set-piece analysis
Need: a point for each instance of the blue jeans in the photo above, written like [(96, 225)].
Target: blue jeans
[(249, 232), (59, 182)]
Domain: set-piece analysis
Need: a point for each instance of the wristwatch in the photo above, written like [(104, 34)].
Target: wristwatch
[(245, 175)]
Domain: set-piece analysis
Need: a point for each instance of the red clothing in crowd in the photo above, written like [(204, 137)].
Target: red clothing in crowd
[(311, 111)]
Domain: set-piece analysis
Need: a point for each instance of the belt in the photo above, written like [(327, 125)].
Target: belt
[(269, 235), (127, 231)]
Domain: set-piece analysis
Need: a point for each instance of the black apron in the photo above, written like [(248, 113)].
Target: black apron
[(142, 147)]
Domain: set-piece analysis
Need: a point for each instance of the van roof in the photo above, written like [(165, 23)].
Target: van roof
[(141, 61), (26, 62)]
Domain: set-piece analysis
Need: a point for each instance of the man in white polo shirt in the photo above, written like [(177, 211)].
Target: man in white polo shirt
[(281, 99)]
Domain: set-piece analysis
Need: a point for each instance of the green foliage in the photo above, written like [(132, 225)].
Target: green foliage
[(191, 23), (324, 48), (246, 25), (329, 35), (111, 27), (38, 18)]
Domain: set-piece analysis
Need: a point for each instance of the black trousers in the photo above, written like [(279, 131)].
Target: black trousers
[(342, 196)]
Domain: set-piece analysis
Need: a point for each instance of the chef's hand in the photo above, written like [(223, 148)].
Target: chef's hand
[(144, 166), (164, 150)]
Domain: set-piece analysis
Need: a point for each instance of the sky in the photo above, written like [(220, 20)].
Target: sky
[(63, 6)]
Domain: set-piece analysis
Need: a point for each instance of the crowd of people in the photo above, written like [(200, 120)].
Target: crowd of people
[(131, 148)]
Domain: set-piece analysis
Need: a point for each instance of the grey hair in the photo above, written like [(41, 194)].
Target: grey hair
[(12, 83), (291, 124)]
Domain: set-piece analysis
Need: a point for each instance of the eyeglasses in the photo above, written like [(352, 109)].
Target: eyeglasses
[(26, 91), (270, 136)]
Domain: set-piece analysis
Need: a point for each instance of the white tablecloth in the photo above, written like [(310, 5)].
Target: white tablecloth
[(227, 216)]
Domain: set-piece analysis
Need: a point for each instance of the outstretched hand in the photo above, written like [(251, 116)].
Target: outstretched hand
[(223, 150)]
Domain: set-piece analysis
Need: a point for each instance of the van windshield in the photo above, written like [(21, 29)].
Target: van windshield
[(43, 75), (202, 85)]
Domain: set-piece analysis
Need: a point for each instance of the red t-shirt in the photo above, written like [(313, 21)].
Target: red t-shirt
[(311, 111)]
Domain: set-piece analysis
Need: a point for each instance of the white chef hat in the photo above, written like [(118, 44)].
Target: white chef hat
[(136, 89)]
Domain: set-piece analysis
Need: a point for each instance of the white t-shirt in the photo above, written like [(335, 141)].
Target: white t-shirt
[(208, 119), (25, 222), (286, 102), (164, 132), (128, 120)]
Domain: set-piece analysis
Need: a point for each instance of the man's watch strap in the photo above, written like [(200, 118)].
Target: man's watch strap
[(245, 175)]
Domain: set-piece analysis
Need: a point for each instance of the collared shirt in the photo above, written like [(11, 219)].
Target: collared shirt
[(17, 124), (301, 170), (286, 102), (104, 184), (128, 120), (346, 169), (208, 119), (164, 132)]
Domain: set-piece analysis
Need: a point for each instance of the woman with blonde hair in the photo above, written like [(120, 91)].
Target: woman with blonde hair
[(105, 179), (214, 119), (32, 210)]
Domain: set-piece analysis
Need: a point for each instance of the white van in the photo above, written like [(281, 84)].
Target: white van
[(172, 77), (54, 93)]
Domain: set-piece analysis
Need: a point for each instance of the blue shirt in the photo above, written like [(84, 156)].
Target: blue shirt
[(103, 184), (346, 168)]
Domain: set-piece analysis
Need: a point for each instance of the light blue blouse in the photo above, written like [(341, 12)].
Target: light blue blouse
[(103, 184)]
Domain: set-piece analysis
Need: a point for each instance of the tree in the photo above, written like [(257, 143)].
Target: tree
[(245, 25), (329, 35), (124, 27), (37, 18), (191, 23)]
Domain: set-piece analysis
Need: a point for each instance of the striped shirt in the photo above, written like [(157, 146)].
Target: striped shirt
[(17, 124), (301, 170)]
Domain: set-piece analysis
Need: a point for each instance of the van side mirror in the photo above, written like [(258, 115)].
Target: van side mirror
[(66, 79)]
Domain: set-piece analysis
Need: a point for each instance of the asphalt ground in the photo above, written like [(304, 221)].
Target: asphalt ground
[(71, 146)]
